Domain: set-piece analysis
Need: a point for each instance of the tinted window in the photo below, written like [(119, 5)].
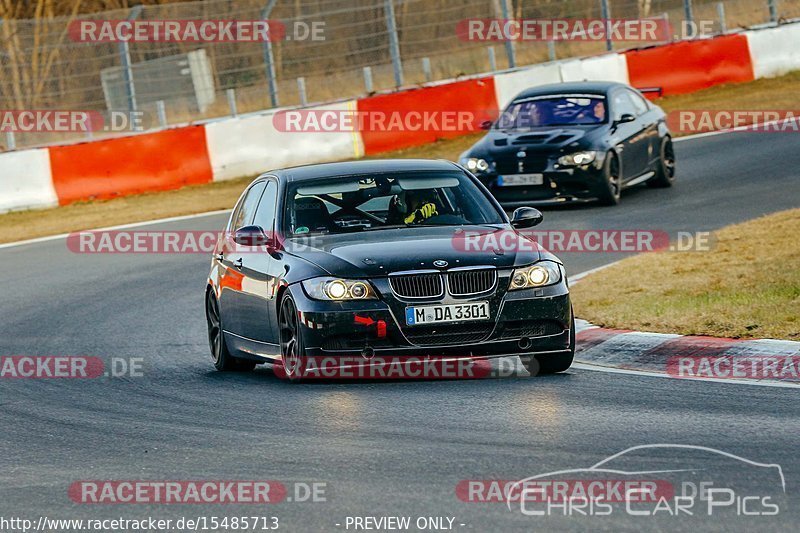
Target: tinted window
[(623, 105), (361, 203), (265, 215), (638, 103), (246, 213), (557, 110)]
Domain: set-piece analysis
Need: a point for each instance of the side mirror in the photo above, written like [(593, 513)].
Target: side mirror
[(625, 118), (253, 236), (486, 125), (526, 217)]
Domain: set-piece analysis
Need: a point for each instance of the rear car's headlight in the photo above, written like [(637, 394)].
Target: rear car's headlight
[(541, 274), (577, 159), (335, 289), (475, 164)]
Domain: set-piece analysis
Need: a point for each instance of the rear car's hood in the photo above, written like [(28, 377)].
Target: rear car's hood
[(378, 253)]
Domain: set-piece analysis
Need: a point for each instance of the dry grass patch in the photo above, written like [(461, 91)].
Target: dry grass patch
[(748, 286)]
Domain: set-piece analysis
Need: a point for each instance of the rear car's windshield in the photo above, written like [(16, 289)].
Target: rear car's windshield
[(556, 110), (362, 203)]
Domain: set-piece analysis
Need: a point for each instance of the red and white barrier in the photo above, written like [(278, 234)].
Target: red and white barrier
[(26, 180), (774, 52), (242, 146), (249, 145)]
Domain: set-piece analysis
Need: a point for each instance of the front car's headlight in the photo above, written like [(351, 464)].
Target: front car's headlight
[(336, 289), (578, 158), (474, 164), (540, 274)]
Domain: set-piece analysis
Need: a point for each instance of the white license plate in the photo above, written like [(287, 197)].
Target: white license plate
[(521, 179), (436, 314)]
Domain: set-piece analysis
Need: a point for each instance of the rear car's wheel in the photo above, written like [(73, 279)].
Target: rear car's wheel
[(610, 193), (665, 169), (293, 358), (223, 360)]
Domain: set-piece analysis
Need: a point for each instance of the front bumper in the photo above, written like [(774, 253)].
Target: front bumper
[(561, 185), (523, 322)]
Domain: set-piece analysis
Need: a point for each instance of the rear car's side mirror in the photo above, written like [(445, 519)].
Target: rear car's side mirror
[(253, 236), (526, 217), (486, 125), (625, 118)]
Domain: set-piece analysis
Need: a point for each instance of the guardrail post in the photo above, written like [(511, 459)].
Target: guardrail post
[(368, 80), (394, 44), (492, 59), (773, 10), (127, 68), (606, 14), (11, 142), (510, 52), (426, 68), (551, 50), (161, 111), (723, 27), (687, 10), (231, 94), (301, 90), (269, 58)]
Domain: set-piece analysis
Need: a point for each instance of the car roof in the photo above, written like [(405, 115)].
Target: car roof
[(368, 166), (575, 87)]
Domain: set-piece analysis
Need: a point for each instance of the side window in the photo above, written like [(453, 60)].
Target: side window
[(638, 103), (265, 214), (246, 212), (623, 105)]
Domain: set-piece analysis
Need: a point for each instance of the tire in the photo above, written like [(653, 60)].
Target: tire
[(293, 359), (223, 360), (665, 170), (612, 190)]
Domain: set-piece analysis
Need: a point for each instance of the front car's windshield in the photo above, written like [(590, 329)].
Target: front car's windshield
[(350, 204), (554, 110)]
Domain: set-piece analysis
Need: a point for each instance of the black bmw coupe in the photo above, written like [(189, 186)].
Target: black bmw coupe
[(573, 142), (388, 258)]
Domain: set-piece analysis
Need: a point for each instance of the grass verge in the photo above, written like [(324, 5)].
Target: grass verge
[(772, 94), (747, 286)]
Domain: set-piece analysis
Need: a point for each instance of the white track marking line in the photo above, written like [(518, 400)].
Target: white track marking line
[(110, 228), (642, 373)]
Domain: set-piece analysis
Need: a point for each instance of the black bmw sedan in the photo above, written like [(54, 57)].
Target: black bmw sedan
[(573, 142), (391, 258)]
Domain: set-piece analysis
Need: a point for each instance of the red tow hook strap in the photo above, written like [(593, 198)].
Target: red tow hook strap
[(380, 325)]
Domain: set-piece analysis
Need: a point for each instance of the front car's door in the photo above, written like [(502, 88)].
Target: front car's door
[(263, 270), (232, 277)]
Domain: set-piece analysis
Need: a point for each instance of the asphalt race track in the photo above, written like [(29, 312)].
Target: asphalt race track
[(397, 448)]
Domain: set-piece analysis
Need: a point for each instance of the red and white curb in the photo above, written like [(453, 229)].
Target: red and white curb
[(759, 361)]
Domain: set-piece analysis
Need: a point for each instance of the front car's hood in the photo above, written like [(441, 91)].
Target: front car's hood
[(378, 253)]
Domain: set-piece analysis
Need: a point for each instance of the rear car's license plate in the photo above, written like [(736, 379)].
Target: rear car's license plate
[(437, 314), (512, 180)]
